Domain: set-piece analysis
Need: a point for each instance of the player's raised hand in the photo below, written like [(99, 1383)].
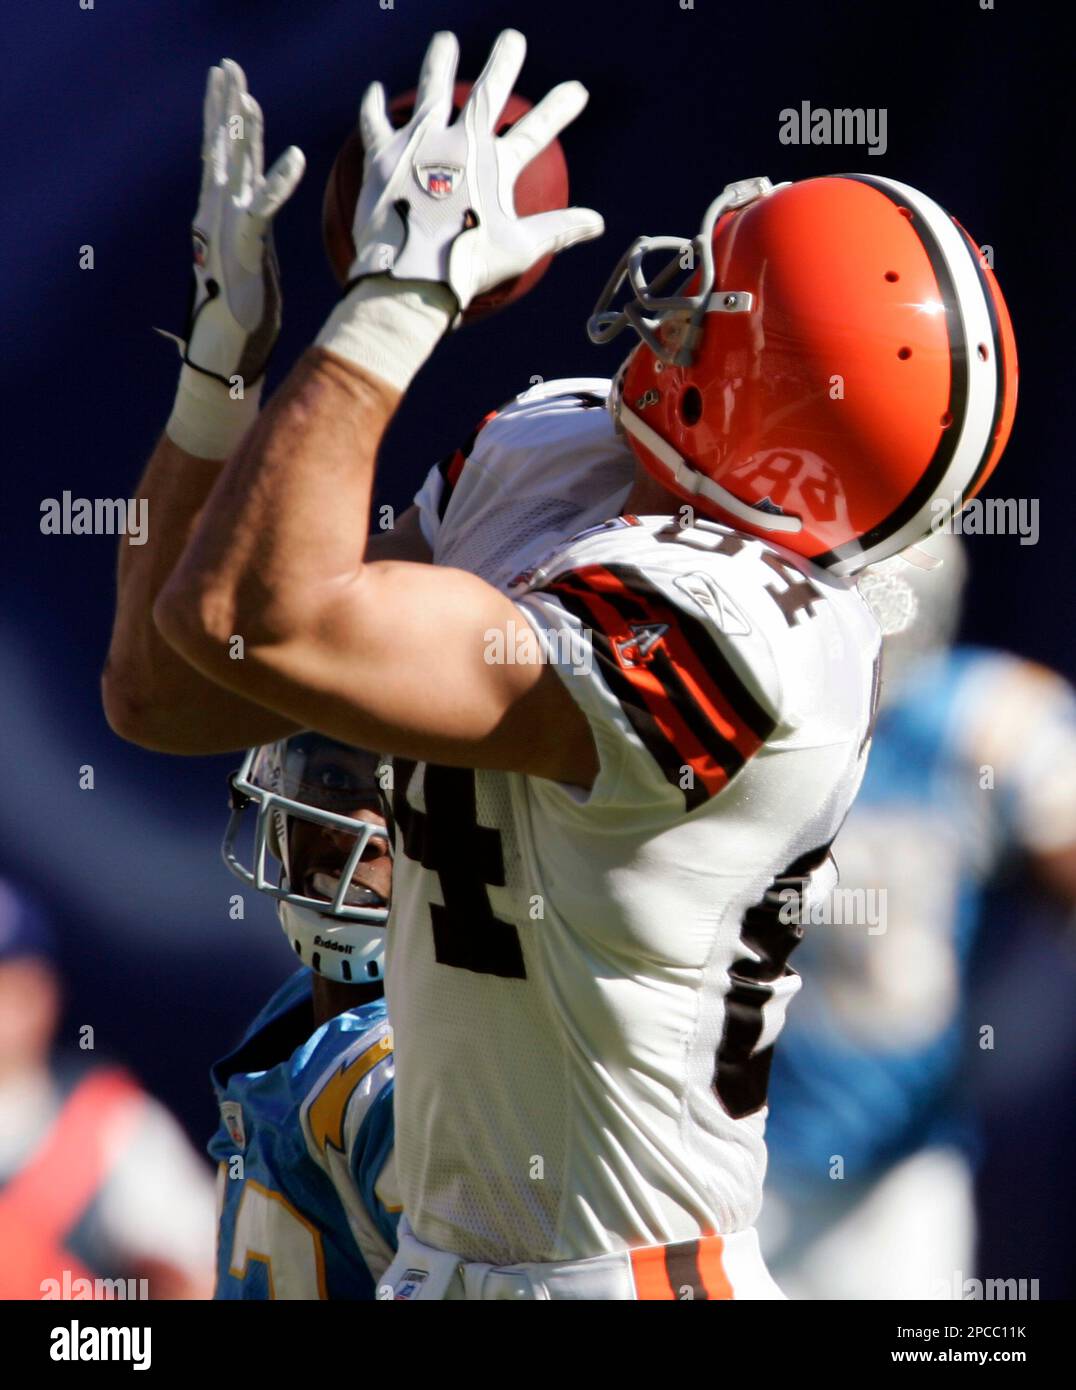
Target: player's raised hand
[(235, 306), (437, 199)]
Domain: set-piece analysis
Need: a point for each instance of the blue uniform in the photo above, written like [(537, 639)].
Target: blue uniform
[(975, 758), (307, 1202)]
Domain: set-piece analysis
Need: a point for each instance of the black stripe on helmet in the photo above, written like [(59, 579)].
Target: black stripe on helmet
[(999, 364), (939, 464)]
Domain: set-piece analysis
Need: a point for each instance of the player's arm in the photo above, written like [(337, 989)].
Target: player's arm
[(379, 653), (385, 654), (153, 696), (150, 694)]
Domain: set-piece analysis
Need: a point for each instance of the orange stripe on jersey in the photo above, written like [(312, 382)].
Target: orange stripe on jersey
[(451, 465), (455, 467), (683, 697), (695, 669), (662, 722)]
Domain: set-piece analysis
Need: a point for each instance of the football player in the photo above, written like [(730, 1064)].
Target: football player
[(616, 650), (307, 1205), (872, 1139)]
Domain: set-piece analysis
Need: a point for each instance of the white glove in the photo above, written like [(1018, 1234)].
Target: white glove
[(234, 318), (436, 206)]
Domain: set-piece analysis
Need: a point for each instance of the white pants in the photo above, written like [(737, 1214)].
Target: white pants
[(908, 1235), (723, 1267)]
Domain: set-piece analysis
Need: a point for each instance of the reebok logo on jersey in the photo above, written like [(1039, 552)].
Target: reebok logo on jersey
[(714, 602)]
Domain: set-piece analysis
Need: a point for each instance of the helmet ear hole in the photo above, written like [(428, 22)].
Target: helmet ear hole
[(691, 406)]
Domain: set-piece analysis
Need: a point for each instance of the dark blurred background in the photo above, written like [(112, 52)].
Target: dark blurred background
[(102, 125)]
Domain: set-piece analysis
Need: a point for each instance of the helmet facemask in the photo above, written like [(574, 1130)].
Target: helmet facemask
[(651, 308), (670, 322), (311, 841)]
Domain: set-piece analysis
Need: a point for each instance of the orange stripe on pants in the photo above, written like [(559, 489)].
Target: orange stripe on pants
[(650, 1270)]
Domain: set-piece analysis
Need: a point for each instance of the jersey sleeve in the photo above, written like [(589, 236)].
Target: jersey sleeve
[(680, 690), (542, 458), (435, 494)]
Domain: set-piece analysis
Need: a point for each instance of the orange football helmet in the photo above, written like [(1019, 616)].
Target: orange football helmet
[(818, 367)]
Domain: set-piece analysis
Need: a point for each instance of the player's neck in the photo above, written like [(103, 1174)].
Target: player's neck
[(648, 498), (331, 997)]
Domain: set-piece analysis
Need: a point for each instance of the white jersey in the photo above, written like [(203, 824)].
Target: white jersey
[(587, 986)]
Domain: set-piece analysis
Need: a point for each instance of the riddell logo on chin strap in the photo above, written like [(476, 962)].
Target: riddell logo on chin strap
[(333, 945)]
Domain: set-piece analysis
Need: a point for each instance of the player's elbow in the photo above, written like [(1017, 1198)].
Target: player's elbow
[(124, 711), (134, 714), (199, 625), (139, 713), (215, 630)]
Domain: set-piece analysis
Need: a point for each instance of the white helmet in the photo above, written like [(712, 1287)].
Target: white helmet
[(315, 780)]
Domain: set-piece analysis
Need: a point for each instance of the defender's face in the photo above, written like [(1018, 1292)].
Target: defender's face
[(343, 780)]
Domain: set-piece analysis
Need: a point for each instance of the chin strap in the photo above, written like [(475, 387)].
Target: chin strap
[(350, 952)]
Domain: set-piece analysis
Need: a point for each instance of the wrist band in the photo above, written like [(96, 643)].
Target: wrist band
[(389, 327), (205, 420)]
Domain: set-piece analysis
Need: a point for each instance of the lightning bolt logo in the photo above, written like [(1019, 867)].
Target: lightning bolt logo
[(325, 1116)]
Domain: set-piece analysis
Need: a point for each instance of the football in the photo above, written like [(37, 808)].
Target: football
[(542, 186)]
